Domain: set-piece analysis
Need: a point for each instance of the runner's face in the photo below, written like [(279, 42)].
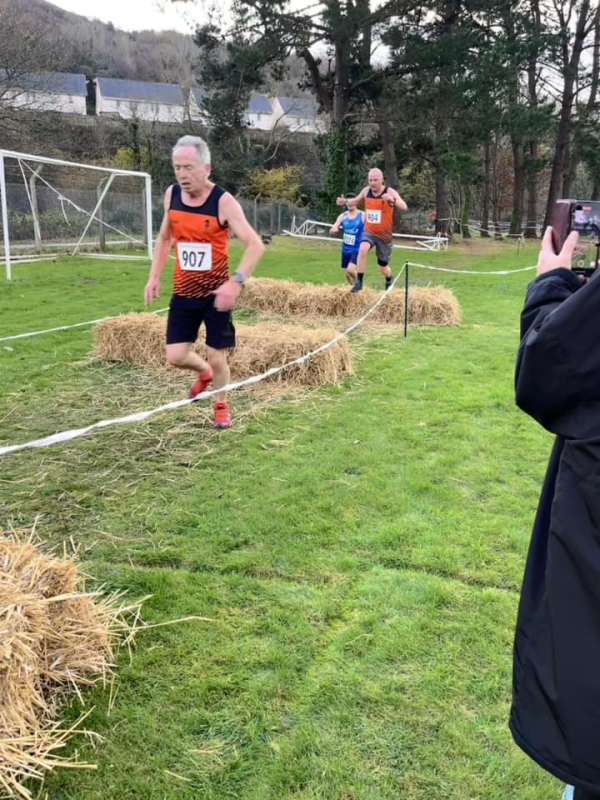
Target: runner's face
[(375, 181), (191, 175)]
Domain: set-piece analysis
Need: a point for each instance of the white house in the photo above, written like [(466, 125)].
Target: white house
[(297, 114), (154, 102), (45, 91), (259, 114)]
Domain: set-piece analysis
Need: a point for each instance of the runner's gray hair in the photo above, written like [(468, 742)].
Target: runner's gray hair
[(198, 144)]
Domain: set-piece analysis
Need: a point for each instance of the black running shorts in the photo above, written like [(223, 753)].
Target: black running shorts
[(186, 315)]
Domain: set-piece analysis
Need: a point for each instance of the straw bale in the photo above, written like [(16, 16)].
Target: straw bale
[(426, 305), (134, 338), (139, 339), (54, 638)]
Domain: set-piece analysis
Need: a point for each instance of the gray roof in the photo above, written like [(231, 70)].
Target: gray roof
[(298, 107), (56, 82), (168, 93), (259, 104)]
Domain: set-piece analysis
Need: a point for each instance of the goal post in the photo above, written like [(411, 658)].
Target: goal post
[(53, 206)]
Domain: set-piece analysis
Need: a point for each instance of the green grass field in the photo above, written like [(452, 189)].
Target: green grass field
[(359, 547)]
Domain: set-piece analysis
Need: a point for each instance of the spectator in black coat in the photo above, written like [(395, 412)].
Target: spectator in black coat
[(555, 714)]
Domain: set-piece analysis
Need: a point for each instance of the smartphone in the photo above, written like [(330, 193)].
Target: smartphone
[(582, 216)]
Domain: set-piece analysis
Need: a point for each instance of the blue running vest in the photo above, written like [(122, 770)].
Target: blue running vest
[(352, 230)]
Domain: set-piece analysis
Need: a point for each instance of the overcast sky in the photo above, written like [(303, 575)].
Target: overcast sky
[(157, 15)]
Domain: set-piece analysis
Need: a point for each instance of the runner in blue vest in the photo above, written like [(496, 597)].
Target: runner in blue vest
[(351, 224)]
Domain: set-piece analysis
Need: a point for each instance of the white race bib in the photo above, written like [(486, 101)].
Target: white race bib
[(194, 257), (349, 239), (374, 217)]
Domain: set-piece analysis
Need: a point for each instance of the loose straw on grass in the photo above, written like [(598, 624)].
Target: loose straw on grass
[(54, 639)]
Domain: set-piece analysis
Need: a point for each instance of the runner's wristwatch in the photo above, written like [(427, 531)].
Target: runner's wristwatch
[(239, 278)]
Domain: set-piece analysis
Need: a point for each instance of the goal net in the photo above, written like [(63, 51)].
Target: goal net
[(60, 207)]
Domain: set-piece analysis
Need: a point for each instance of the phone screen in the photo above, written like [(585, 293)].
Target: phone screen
[(586, 218)]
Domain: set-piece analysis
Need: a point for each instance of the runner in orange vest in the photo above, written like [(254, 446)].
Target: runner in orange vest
[(379, 202), (198, 218)]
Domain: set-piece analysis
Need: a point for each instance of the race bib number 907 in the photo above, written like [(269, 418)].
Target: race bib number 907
[(194, 257), (374, 217)]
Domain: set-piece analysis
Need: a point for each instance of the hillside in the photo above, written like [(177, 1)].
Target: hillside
[(98, 49), (95, 48)]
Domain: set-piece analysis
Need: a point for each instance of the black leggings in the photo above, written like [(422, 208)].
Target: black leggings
[(583, 794)]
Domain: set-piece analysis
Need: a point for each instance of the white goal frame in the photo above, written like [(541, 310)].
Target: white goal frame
[(110, 175)]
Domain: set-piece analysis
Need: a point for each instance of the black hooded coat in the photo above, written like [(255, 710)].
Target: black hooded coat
[(555, 714)]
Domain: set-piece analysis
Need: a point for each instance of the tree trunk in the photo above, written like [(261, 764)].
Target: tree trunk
[(466, 210), (442, 222), (562, 141), (569, 168), (335, 181), (485, 205), (390, 162), (563, 134), (532, 184), (516, 218), (389, 152), (533, 141), (449, 12)]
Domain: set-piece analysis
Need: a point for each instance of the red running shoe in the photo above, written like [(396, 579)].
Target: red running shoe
[(201, 383), (222, 416)]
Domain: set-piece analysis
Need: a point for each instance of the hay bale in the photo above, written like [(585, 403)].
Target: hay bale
[(54, 638), (139, 339), (134, 338), (426, 305), (267, 345)]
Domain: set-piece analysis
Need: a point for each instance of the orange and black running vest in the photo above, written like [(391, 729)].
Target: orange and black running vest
[(379, 216), (201, 245)]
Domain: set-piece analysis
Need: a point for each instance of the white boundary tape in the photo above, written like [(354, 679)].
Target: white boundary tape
[(66, 327), (471, 272), (65, 436)]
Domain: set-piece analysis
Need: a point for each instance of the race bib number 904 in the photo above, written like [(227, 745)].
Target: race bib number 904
[(194, 257), (374, 217)]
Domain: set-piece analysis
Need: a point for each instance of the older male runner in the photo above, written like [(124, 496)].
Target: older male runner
[(198, 218), (379, 202)]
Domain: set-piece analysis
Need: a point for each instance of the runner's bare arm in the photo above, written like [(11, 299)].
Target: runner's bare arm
[(398, 201), (231, 212), (336, 225)]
